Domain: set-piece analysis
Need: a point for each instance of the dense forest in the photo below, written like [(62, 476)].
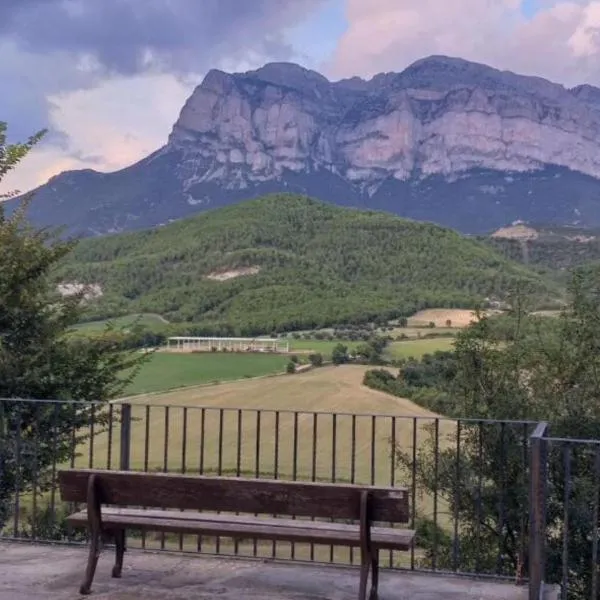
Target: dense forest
[(552, 254), (311, 265)]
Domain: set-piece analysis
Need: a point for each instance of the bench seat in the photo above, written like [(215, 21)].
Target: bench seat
[(336, 514), (244, 527)]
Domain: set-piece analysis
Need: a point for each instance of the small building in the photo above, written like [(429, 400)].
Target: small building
[(227, 344)]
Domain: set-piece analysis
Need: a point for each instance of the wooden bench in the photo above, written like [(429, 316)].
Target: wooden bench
[(121, 490)]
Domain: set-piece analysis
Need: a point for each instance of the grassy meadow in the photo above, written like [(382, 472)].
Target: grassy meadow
[(165, 371), (148, 320)]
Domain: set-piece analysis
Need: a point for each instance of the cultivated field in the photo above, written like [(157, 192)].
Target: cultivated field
[(149, 320), (258, 427), (416, 348), (165, 371), (440, 316)]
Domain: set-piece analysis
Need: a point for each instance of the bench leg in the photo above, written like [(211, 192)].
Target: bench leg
[(374, 575), (120, 551), (94, 554), (364, 576)]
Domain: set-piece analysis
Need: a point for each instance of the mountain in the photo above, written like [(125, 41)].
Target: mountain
[(446, 140), (287, 262)]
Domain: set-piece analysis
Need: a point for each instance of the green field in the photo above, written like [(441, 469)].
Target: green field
[(413, 347), (165, 371), (148, 320), (416, 348), (324, 347)]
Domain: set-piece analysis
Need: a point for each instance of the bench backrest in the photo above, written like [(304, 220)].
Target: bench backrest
[(230, 494)]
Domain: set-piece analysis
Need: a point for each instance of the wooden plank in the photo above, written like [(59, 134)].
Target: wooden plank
[(231, 494), (108, 512), (247, 528)]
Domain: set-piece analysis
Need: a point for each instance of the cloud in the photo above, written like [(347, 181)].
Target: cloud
[(131, 36), (76, 65), (560, 41)]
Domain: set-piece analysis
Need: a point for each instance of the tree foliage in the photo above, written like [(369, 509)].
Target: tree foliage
[(39, 360), (301, 264), (515, 368)]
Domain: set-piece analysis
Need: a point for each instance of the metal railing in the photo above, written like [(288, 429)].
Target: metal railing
[(488, 498), (565, 484)]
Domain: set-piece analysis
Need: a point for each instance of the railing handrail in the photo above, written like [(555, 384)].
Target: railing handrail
[(206, 407)]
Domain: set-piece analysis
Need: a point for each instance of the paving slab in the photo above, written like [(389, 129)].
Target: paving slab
[(53, 572)]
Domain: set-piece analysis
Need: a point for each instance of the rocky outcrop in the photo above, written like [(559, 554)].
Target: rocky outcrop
[(440, 116), (445, 140)]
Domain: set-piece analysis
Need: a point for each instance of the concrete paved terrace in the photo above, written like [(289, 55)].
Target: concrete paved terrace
[(32, 572)]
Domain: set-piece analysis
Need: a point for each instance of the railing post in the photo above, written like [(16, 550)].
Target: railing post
[(537, 511), (125, 436)]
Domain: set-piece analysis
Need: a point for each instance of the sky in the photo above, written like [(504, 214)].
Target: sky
[(108, 78)]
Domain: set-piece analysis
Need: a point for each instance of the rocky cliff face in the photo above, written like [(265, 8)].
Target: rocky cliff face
[(446, 140), (440, 116)]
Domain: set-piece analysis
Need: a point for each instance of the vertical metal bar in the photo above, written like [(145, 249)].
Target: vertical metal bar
[(537, 505), (111, 410), (238, 467), (566, 502), (276, 457), (392, 472), (166, 441), (479, 497), (202, 440), (353, 468), (315, 438), (55, 420), (294, 471), (183, 458), (596, 515), (501, 491), (276, 469), (238, 456), (36, 450), (333, 449), (413, 496), (92, 435), (125, 437), (373, 425), (146, 453), (165, 462), (19, 466), (220, 443), (73, 447), (257, 466), (456, 540), (201, 460), (436, 462)]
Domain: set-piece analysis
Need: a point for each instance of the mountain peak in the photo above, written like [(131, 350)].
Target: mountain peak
[(287, 74), (446, 139)]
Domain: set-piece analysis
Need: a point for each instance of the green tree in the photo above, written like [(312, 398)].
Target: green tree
[(39, 360), (339, 354), (316, 359), (290, 367), (515, 368)]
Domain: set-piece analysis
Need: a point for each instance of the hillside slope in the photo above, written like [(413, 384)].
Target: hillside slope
[(551, 250), (289, 262)]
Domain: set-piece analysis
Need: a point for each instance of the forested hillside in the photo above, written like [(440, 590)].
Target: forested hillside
[(555, 254), (289, 262)]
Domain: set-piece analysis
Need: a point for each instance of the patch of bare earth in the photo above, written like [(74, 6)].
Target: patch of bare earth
[(232, 273), (445, 317), (518, 231)]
